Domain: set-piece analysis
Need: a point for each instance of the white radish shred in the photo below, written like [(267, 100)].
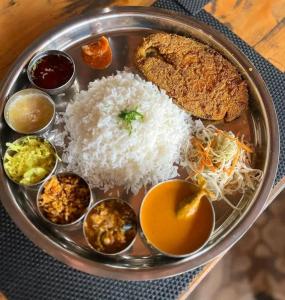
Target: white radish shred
[(105, 153), (213, 157)]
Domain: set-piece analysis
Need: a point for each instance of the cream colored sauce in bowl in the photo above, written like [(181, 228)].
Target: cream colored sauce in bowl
[(29, 111)]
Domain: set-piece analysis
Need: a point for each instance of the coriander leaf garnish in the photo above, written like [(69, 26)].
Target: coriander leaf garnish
[(128, 116)]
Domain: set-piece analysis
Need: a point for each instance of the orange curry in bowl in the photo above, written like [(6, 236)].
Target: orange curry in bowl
[(162, 226)]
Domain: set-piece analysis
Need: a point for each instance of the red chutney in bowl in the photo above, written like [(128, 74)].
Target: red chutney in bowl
[(52, 71)]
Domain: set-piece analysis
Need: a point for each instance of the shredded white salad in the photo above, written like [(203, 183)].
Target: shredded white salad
[(222, 160)]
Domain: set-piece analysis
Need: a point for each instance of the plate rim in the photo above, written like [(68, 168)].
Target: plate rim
[(159, 271)]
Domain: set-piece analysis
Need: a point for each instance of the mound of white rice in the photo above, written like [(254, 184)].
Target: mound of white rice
[(102, 150)]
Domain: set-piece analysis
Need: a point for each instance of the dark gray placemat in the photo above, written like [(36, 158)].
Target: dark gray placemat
[(192, 7), (27, 273)]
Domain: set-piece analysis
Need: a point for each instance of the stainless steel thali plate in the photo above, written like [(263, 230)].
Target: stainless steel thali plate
[(125, 28)]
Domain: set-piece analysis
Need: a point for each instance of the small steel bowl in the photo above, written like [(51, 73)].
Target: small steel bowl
[(150, 244), (134, 226), (37, 57), (22, 93), (11, 152), (74, 222)]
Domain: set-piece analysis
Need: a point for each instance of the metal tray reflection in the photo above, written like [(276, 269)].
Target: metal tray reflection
[(125, 28)]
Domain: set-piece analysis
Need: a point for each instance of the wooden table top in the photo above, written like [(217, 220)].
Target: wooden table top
[(22, 21), (261, 23)]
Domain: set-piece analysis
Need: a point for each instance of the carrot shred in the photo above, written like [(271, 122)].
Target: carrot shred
[(230, 170), (205, 160), (239, 143)]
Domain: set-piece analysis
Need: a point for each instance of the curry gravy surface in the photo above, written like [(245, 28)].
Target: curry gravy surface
[(161, 226)]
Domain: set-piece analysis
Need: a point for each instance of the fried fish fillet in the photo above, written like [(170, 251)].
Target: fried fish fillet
[(196, 76)]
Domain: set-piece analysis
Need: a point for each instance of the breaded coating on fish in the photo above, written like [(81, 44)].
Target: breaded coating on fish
[(196, 76)]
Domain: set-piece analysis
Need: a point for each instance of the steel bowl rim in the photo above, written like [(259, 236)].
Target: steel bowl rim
[(46, 177), (39, 131), (162, 271), (44, 53), (90, 210), (166, 253), (79, 219)]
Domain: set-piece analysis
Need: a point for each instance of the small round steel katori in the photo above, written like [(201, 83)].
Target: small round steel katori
[(24, 92), (77, 220), (124, 205), (155, 187), (125, 29), (11, 153), (52, 91)]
